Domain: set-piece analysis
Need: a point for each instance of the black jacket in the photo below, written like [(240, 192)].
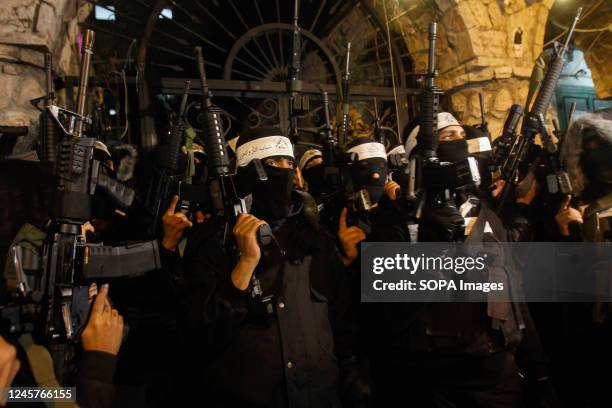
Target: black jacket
[(301, 355), (94, 382)]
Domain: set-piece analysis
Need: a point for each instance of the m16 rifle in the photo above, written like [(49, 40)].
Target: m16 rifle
[(224, 197), (47, 126), (298, 104), (557, 181), (507, 140), (167, 182), (427, 138), (58, 302), (343, 130)]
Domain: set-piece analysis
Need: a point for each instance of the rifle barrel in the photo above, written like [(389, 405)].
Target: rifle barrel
[(570, 32), (433, 28), (202, 73), (87, 52)]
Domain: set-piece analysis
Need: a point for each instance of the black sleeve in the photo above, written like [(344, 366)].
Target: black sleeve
[(94, 382), (212, 307), (354, 373)]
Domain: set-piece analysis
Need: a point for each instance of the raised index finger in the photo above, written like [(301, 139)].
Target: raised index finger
[(101, 300), (172, 206), (342, 223), (566, 202)]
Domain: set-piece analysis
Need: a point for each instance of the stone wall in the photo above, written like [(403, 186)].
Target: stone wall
[(597, 48), (476, 49), (28, 27)]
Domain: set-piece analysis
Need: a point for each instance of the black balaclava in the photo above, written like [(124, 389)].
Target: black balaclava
[(452, 150), (370, 157), (597, 164), (271, 197), (315, 175)]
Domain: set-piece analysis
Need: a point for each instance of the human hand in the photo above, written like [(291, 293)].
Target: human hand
[(350, 237), (497, 187), (104, 329), (9, 366), (174, 225), (566, 215), (392, 188)]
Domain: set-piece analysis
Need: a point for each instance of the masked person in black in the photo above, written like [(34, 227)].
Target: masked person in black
[(583, 334), (370, 212), (283, 338), (454, 354), (323, 186), (313, 171), (587, 153)]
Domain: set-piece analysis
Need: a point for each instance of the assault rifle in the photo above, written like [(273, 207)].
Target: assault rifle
[(167, 182), (298, 104), (427, 138), (47, 126), (224, 198), (346, 93), (505, 142), (557, 181), (59, 299)]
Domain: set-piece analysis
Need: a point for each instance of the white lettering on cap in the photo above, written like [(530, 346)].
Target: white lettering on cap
[(262, 148), (369, 150)]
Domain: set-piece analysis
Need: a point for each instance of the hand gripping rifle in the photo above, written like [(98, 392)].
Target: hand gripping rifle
[(167, 182), (223, 194), (533, 124), (346, 92), (298, 104), (68, 262)]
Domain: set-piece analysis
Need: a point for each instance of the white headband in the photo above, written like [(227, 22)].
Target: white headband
[(479, 145), (445, 119), (307, 156), (369, 150), (399, 149), (262, 148)]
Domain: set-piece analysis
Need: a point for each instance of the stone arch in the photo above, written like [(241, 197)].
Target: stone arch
[(475, 49)]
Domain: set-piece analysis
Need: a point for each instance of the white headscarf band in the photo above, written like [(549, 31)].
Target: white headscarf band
[(263, 148)]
